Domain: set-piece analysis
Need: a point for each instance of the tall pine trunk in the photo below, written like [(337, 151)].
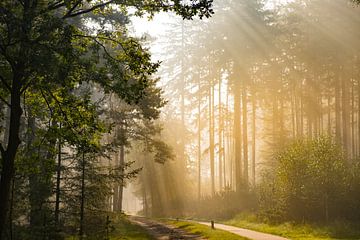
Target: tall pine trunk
[(220, 129), (245, 137), (253, 147), (237, 135)]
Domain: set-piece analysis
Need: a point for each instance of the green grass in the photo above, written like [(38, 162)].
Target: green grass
[(124, 230), (337, 230), (205, 231)]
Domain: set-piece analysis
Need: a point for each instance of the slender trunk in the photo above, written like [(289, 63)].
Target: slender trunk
[(337, 112), (82, 200), (116, 185), (345, 115), (297, 113), (293, 115), (199, 142), (353, 148), (211, 139), (281, 118), (58, 181), (253, 148), (237, 136), (220, 140), (321, 118), (358, 119), (275, 125), (301, 110), (245, 137), (329, 116), (121, 184), (182, 100)]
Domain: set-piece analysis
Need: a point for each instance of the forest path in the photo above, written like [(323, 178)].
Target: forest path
[(161, 231), (244, 232)]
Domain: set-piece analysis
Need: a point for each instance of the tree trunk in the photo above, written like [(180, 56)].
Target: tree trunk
[(58, 181), (345, 115), (211, 138), (253, 148), (116, 185), (121, 184), (199, 142), (245, 137), (82, 200), (237, 136), (353, 143), (329, 116), (337, 111), (220, 139), (8, 155)]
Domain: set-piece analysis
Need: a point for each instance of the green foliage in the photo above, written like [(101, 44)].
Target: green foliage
[(224, 205), (206, 231), (308, 183), (49, 61), (119, 228), (291, 230)]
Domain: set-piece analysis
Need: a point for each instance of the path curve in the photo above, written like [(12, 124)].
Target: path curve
[(245, 232), (161, 231)]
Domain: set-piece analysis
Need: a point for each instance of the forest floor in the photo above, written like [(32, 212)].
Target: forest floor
[(162, 231)]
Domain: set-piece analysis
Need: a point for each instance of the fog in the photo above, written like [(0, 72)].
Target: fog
[(240, 86)]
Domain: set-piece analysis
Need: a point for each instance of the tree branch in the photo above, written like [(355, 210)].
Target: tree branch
[(73, 8), (2, 79), (2, 150), (6, 102), (80, 12), (56, 5)]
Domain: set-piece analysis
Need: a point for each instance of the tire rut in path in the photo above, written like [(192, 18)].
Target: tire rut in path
[(162, 231)]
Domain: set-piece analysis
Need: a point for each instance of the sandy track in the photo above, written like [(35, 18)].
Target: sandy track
[(162, 231), (245, 232)]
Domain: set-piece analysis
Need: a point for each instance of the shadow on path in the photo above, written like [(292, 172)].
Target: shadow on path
[(162, 231)]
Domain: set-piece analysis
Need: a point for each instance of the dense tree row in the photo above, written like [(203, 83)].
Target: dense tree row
[(257, 75)]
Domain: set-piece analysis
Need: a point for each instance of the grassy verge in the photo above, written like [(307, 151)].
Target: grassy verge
[(337, 230), (205, 231), (123, 230)]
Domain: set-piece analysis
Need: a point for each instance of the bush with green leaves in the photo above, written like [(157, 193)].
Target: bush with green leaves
[(309, 182)]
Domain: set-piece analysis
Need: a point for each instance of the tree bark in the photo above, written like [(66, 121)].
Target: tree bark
[(8, 155), (199, 142), (58, 181), (121, 184), (253, 148), (337, 111), (237, 136), (220, 129), (245, 137), (211, 138), (82, 199), (345, 114)]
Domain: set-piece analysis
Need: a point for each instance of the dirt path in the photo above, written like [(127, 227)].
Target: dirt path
[(162, 231), (245, 232)]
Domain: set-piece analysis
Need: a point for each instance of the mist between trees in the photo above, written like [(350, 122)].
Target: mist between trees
[(262, 114), (254, 109)]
